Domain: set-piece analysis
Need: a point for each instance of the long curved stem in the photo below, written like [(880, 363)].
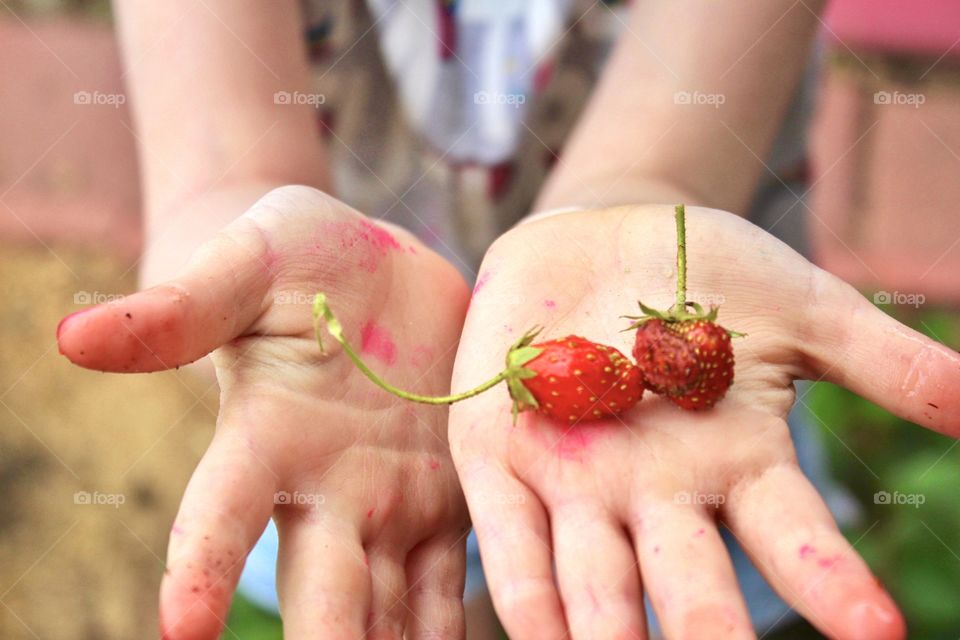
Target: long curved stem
[(321, 311)]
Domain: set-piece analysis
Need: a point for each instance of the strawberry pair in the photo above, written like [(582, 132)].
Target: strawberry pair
[(681, 354)]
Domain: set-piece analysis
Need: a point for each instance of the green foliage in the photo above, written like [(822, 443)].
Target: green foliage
[(913, 548), (249, 622)]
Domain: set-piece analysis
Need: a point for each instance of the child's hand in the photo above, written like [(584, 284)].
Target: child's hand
[(371, 518), (614, 505)]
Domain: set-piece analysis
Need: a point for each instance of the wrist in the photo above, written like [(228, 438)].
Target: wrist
[(174, 230), (605, 190)]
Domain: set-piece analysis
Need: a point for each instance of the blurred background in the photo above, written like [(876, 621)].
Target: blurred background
[(92, 465)]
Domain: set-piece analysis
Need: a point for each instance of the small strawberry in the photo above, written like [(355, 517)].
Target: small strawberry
[(683, 353), (570, 379), (573, 379), (689, 361)]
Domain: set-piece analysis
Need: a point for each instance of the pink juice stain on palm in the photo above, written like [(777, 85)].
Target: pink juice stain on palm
[(371, 242), (570, 443), (421, 357), (377, 341)]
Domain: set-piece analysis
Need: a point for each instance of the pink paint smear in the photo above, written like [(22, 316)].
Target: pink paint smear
[(378, 342), (373, 241), (482, 281)]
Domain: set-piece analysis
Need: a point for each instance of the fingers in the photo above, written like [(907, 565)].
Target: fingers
[(601, 588), (784, 526), (224, 510), (688, 574), (514, 538), (436, 570), (322, 577), (861, 348), (388, 612), (218, 296)]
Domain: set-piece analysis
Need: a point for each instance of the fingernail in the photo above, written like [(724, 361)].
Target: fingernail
[(872, 619), (66, 321)]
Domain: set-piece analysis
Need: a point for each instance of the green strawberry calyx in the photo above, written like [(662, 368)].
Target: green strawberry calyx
[(682, 310)]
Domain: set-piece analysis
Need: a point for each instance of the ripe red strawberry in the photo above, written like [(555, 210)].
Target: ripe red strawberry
[(572, 379), (682, 353), (689, 361), (664, 357)]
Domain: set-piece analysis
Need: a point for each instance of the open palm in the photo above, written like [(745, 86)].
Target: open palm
[(371, 519), (576, 522)]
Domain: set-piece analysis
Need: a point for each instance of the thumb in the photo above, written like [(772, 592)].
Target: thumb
[(218, 296), (857, 346)]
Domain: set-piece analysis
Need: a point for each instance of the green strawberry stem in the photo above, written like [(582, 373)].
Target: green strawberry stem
[(513, 372), (680, 215)]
